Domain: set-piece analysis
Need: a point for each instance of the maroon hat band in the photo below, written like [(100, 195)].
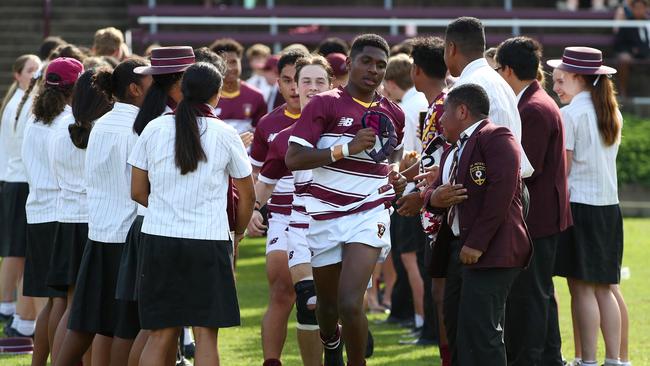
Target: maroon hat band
[(582, 60)]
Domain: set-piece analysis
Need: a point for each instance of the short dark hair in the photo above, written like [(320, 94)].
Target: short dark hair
[(468, 34), (290, 57), (332, 45), (204, 54), (522, 55), (227, 45), (370, 40), (405, 47), (48, 45), (429, 54), (471, 95)]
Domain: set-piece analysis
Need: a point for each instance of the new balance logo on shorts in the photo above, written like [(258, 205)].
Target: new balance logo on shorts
[(346, 122), (273, 241)]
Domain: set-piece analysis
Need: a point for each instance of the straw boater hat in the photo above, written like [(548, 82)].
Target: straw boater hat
[(168, 60), (582, 60)]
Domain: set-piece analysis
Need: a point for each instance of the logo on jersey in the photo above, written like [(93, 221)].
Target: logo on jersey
[(271, 137), (477, 172), (381, 229), (248, 109), (346, 122), (273, 241), (291, 254)]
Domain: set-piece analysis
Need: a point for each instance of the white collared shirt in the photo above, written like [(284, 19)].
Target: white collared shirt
[(67, 162), (413, 103), (592, 179), (12, 137), (521, 93), (503, 102), (455, 226), (111, 210), (190, 206), (36, 151)]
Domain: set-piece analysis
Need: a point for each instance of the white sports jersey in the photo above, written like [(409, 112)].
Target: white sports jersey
[(191, 206), (43, 187), (67, 162), (111, 210)]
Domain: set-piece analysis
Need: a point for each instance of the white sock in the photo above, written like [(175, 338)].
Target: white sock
[(626, 363), (26, 327), (589, 363), (16, 321), (419, 320), (187, 336), (7, 308), (612, 362)]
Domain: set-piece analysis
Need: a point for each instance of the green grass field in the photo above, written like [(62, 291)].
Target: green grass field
[(241, 346)]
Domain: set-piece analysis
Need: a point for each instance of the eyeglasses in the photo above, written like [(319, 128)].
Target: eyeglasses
[(498, 68)]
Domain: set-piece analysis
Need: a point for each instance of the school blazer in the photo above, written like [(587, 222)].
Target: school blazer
[(491, 219), (543, 141)]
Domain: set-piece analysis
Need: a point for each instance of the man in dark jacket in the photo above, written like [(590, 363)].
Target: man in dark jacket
[(483, 243)]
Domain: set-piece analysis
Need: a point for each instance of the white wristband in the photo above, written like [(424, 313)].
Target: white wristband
[(346, 150)]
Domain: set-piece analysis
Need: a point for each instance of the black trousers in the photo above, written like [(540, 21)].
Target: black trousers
[(430, 328), (474, 310), (402, 298), (532, 332)]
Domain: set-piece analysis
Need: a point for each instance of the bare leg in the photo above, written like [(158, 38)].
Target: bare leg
[(610, 320), (358, 263), (625, 325), (207, 351), (161, 346), (281, 299), (410, 262), (120, 350), (41, 344), (577, 343), (389, 280), (101, 350), (11, 272), (56, 314), (74, 346), (588, 318), (137, 347), (61, 328), (311, 348), (372, 295)]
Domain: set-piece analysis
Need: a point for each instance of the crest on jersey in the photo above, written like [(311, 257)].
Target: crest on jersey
[(478, 173), (248, 109), (381, 229)]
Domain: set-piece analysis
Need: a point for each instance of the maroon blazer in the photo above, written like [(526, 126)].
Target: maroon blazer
[(543, 141), (491, 219)]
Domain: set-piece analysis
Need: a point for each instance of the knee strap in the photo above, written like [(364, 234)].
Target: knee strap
[(306, 305)]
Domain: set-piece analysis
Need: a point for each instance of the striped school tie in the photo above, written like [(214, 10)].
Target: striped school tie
[(453, 174)]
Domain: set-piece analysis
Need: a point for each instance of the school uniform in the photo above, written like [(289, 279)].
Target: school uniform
[(348, 200), (186, 235), (110, 215), (486, 161), (591, 250), (532, 333), (41, 206), (68, 165), (13, 228)]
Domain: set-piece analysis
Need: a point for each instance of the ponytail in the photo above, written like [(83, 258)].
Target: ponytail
[(200, 83), (10, 94), (187, 145), (88, 104), (603, 95), (155, 100), (28, 92)]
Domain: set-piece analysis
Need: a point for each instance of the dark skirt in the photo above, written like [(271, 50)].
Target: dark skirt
[(127, 277), (38, 254), (14, 220), (94, 307), (592, 250), (186, 282), (66, 256)]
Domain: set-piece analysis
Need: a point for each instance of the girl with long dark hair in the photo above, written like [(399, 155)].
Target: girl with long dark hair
[(181, 164), (69, 144), (51, 110), (94, 309)]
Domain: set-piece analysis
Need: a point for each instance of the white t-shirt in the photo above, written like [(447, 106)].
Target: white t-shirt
[(43, 186), (11, 139), (190, 206), (592, 179), (67, 162), (413, 103), (259, 81), (503, 102), (111, 210)]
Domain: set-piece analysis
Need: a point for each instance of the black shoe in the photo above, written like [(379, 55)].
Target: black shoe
[(370, 345), (410, 323), (183, 362), (6, 318), (414, 333), (189, 350), (12, 332)]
